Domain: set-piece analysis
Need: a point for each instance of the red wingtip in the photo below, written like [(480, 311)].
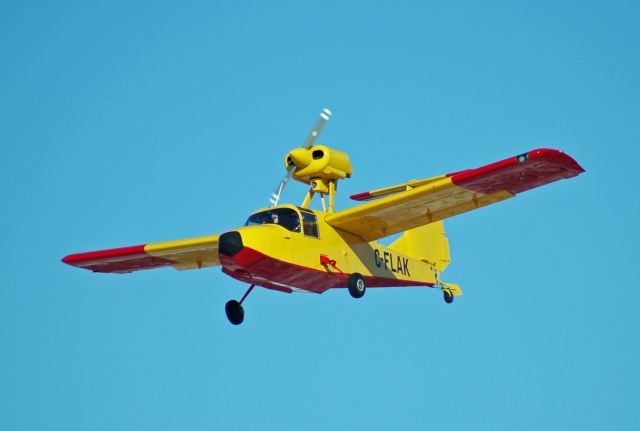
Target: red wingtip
[(361, 196), (78, 259), (118, 260), (520, 173), (559, 158)]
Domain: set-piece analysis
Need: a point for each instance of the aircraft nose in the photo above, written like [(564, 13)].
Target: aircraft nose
[(230, 243)]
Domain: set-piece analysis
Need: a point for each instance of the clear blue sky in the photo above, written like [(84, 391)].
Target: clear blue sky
[(130, 122)]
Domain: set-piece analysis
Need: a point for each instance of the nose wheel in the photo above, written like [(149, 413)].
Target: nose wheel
[(235, 312), (234, 309)]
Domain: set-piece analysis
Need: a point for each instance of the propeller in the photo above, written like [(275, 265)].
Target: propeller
[(325, 115)]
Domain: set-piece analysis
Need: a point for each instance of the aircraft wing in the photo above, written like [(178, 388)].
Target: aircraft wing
[(406, 206), (181, 254)]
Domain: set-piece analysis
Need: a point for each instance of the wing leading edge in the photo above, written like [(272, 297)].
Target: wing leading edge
[(182, 254), (416, 203)]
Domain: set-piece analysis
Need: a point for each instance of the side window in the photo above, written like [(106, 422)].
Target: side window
[(310, 223)]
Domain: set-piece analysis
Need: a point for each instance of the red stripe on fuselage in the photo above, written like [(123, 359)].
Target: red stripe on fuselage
[(253, 267)]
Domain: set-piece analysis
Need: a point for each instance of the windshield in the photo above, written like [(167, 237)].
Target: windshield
[(285, 217)]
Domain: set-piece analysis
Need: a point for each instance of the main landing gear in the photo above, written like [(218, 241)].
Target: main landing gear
[(234, 310), (356, 285), (357, 288)]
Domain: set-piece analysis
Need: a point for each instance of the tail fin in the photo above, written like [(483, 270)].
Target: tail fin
[(427, 243)]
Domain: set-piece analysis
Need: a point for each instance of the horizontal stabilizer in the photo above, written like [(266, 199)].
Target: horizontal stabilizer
[(453, 288)]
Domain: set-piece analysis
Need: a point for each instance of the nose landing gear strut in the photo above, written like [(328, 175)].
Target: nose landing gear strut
[(234, 310)]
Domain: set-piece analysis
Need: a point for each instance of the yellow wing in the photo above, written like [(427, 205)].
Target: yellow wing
[(181, 254), (419, 202)]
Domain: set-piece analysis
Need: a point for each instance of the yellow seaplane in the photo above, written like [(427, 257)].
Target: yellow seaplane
[(293, 248)]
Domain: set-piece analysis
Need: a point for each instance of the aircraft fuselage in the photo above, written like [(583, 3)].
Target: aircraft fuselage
[(276, 257)]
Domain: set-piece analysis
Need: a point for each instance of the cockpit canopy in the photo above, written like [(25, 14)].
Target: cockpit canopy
[(288, 218)]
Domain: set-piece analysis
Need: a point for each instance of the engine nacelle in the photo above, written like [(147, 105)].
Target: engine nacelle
[(318, 163)]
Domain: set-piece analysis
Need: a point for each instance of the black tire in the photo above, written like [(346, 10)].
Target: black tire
[(356, 285), (235, 312), (448, 296)]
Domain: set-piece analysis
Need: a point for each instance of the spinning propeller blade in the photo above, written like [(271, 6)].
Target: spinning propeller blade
[(325, 115)]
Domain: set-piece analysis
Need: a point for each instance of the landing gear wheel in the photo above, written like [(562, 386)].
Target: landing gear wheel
[(235, 312), (448, 296), (356, 285)]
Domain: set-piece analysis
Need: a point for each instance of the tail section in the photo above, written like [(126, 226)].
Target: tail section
[(427, 243)]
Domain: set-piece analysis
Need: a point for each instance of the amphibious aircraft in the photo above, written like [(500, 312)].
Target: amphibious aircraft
[(293, 248)]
